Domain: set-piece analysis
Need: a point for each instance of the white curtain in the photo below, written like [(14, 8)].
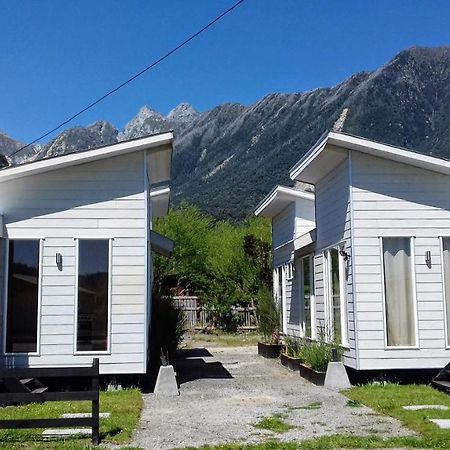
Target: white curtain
[(399, 294), (446, 249)]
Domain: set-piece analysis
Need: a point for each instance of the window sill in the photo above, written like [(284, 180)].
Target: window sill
[(22, 354), (414, 347), (89, 353)]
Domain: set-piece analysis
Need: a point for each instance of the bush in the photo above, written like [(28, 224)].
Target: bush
[(168, 327), (268, 316), (317, 354), (293, 347)]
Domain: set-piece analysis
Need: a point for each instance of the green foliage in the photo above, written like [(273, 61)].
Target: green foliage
[(268, 316), (317, 355), (274, 423), (224, 264), (168, 326), (125, 408), (293, 347), (388, 399)]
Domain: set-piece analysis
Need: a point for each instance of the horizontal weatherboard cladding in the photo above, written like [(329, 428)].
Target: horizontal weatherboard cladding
[(102, 199), (395, 199)]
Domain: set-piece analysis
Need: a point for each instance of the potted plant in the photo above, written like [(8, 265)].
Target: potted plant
[(291, 356), (316, 356), (269, 323)]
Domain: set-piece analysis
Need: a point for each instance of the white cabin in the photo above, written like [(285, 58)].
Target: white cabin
[(371, 270), (75, 255)]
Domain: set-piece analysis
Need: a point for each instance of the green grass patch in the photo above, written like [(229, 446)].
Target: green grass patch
[(221, 339), (125, 408), (274, 423), (328, 443), (314, 405), (354, 403), (388, 399)]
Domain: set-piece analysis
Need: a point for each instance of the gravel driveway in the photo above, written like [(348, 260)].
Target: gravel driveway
[(224, 391)]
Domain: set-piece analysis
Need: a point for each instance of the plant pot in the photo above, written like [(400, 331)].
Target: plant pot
[(290, 363), (313, 376), (269, 350)]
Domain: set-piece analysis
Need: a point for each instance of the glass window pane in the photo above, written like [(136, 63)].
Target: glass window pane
[(446, 249), (93, 280), (335, 286), (335, 296), (23, 288), (337, 332), (399, 293), (307, 288)]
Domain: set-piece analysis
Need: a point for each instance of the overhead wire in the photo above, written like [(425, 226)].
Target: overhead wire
[(129, 80)]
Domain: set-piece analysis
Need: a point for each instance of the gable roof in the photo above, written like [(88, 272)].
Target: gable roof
[(330, 150), (154, 141), (279, 198)]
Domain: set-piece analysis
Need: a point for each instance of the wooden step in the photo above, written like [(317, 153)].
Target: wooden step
[(39, 390), (441, 385)]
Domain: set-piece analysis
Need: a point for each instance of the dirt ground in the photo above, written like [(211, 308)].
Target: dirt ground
[(224, 391)]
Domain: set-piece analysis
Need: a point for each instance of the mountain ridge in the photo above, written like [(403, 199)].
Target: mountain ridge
[(226, 159)]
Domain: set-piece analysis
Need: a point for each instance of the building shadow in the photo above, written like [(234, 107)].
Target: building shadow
[(191, 366)]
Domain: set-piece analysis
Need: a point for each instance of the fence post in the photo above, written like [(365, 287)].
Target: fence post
[(95, 403)]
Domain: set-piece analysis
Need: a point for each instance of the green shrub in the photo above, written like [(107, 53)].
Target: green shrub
[(317, 354), (168, 327), (268, 316), (293, 347)]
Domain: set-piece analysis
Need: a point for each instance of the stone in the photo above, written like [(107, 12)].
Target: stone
[(336, 377), (66, 432), (418, 407), (102, 415), (166, 383), (442, 423)]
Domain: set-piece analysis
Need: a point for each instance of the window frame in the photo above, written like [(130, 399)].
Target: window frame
[(39, 299), (383, 293), (109, 318), (328, 297), (446, 321), (289, 268), (312, 296)]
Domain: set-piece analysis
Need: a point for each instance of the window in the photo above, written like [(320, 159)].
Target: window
[(290, 271), (306, 292), (23, 296), (336, 296), (399, 295), (446, 268), (93, 295)]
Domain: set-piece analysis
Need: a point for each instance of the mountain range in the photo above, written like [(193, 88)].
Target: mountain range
[(228, 158)]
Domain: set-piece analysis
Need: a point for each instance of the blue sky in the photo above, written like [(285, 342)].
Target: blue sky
[(58, 56)]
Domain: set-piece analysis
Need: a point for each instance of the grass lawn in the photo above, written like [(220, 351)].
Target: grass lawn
[(386, 399), (124, 406), (221, 339)]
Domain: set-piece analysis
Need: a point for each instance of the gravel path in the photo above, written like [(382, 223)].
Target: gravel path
[(224, 391)]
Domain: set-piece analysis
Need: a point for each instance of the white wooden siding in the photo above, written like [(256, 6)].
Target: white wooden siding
[(333, 224), (102, 199), (283, 226), (394, 199)]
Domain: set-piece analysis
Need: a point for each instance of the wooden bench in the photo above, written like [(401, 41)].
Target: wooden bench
[(11, 377)]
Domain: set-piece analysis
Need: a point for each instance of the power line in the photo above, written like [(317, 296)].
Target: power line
[(120, 86)]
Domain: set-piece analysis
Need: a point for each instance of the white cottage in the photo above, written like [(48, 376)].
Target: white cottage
[(365, 260), (75, 255)]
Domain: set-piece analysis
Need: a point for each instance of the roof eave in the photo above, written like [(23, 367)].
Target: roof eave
[(76, 158), (278, 194)]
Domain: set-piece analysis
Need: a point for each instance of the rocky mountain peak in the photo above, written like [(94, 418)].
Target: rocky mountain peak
[(147, 121), (184, 112)]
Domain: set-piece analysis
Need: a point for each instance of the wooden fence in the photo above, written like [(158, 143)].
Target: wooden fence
[(21, 395), (198, 317)]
